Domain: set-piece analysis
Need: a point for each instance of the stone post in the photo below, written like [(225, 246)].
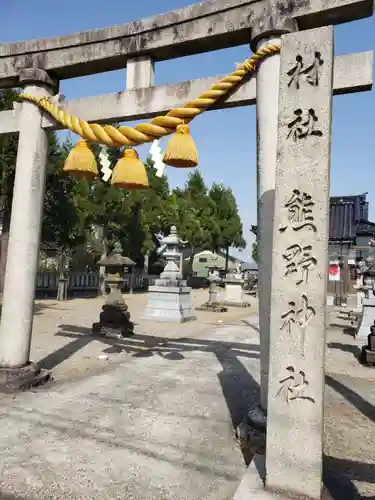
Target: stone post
[(24, 238), (139, 73), (269, 30), (299, 269)]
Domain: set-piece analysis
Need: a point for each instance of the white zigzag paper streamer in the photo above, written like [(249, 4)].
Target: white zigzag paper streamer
[(155, 152), (105, 163)]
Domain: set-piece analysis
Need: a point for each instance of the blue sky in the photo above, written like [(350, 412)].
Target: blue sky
[(225, 139)]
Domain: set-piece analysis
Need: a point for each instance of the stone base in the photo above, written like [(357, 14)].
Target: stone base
[(252, 485), (22, 378), (113, 330), (213, 307), (169, 304), (114, 322), (251, 432), (368, 357), (236, 304)]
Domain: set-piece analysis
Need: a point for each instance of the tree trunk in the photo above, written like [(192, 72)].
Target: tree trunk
[(145, 264), (102, 290), (226, 259), (62, 288), (190, 272)]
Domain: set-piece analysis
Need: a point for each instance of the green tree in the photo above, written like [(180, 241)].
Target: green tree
[(8, 156), (196, 214), (150, 216), (59, 221), (230, 232)]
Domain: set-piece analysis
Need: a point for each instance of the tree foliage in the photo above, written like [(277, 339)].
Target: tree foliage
[(91, 217)]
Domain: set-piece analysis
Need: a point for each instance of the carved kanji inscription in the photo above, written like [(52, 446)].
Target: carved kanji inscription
[(303, 72), (294, 386), (299, 261), (303, 125), (300, 211)]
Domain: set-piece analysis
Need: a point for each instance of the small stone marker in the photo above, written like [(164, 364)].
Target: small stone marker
[(299, 269)]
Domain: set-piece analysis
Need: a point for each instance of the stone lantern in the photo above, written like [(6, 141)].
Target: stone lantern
[(169, 299), (213, 304), (115, 318)]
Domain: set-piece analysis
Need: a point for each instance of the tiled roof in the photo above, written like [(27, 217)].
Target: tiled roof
[(347, 213)]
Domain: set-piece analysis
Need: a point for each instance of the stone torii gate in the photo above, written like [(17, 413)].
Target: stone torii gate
[(38, 66)]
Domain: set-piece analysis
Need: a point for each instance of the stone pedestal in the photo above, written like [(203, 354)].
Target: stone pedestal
[(367, 318), (21, 378), (330, 300), (234, 293), (115, 318), (169, 299)]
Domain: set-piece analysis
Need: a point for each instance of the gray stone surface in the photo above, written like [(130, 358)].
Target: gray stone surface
[(352, 73), (24, 236), (367, 319), (158, 426), (140, 73), (267, 103), (167, 36), (299, 271), (234, 293), (169, 303)]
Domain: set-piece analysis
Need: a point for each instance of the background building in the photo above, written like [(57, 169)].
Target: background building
[(349, 234)]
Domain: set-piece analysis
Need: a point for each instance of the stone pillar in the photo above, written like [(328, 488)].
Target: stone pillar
[(269, 30), (139, 73), (300, 264), (24, 237)]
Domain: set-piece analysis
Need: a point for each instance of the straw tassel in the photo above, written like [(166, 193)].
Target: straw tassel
[(129, 172), (81, 162), (181, 151)]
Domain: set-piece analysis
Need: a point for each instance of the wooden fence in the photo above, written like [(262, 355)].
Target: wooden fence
[(47, 282)]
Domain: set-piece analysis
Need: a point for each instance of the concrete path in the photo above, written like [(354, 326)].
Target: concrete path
[(158, 425), (153, 420)]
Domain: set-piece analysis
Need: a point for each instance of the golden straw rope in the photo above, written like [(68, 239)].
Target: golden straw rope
[(159, 126)]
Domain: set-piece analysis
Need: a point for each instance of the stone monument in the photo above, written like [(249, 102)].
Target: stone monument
[(169, 299), (213, 304), (300, 265), (368, 351), (115, 317), (234, 290)]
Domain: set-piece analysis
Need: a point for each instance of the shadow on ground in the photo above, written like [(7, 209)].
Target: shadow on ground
[(339, 473), (346, 329), (353, 349), (38, 309), (239, 388)]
